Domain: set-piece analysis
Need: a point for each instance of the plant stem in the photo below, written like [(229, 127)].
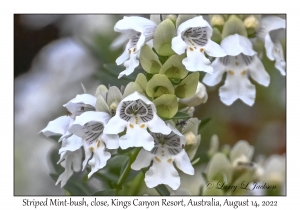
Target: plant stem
[(132, 155)]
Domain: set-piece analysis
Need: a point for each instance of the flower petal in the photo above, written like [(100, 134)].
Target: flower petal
[(269, 45), (86, 117), (71, 144), (115, 125), (258, 73), (72, 161), (216, 76), (183, 163), (142, 160), (280, 65), (196, 61), (99, 158), (195, 22), (162, 172), (136, 137), (80, 99), (157, 125), (130, 65), (111, 140), (213, 49), (136, 23), (237, 86), (125, 55), (59, 126), (237, 44), (178, 45)]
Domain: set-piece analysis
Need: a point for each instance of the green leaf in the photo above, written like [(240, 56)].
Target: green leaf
[(75, 186), (204, 121), (162, 190), (105, 192), (181, 115)]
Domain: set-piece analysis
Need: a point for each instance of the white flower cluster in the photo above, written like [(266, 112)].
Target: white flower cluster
[(95, 131), (114, 118), (235, 56)]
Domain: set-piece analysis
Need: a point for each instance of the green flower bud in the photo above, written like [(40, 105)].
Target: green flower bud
[(187, 87), (242, 151), (173, 18), (163, 36), (217, 21), (173, 67), (234, 25), (149, 60), (192, 139), (183, 18), (159, 18), (141, 80), (166, 105), (158, 85), (252, 23), (131, 87)]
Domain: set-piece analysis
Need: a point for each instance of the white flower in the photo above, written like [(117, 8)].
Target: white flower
[(241, 154), (240, 63), (70, 151), (271, 29), (194, 36), (139, 30), (89, 126), (168, 149), (136, 113)]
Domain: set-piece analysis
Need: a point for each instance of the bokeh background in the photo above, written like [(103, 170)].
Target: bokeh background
[(55, 54)]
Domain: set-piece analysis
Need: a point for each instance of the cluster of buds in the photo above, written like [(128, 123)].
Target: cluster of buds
[(154, 113)]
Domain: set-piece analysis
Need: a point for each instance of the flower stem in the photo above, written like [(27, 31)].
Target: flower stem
[(132, 155)]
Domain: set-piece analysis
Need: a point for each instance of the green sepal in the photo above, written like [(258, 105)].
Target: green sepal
[(217, 36), (163, 36), (149, 60), (158, 85), (188, 86), (130, 88), (101, 90), (234, 25), (141, 80), (114, 95), (166, 105), (182, 18), (101, 105), (173, 67)]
